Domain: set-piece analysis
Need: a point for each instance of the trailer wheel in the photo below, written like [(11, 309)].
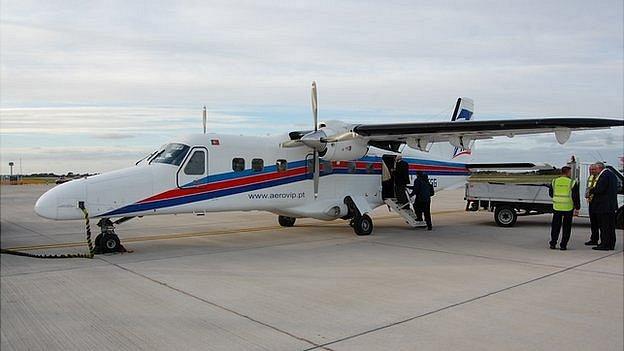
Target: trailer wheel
[(505, 216)]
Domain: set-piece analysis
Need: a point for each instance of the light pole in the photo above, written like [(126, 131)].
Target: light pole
[(11, 165)]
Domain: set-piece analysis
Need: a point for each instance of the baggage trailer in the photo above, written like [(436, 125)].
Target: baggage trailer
[(512, 196)]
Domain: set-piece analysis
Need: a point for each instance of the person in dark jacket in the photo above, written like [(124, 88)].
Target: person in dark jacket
[(401, 179), (604, 204), (423, 190), (593, 216), (566, 203)]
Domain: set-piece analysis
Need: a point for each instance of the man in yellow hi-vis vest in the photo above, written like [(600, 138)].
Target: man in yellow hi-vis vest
[(593, 216), (566, 203)]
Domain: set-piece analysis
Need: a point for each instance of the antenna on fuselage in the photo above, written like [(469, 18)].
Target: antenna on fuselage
[(204, 119)]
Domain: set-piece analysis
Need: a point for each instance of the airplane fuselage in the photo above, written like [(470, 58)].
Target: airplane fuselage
[(216, 172)]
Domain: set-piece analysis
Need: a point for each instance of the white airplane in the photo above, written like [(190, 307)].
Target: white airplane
[(333, 171)]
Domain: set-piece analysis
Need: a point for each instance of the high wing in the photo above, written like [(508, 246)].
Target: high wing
[(418, 135)]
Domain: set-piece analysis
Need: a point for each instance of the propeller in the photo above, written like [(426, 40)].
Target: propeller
[(317, 140), (313, 141)]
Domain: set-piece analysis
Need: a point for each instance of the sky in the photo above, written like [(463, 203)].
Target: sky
[(92, 86)]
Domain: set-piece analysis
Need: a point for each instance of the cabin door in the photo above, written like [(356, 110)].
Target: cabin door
[(194, 170), (387, 178)]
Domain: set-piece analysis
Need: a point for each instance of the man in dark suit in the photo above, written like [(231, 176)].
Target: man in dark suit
[(593, 216), (604, 204), (423, 190), (401, 179)]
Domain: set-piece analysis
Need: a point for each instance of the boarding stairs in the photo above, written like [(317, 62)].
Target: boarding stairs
[(406, 212)]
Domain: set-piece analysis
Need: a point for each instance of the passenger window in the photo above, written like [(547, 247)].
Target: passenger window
[(196, 164), (282, 165), (257, 164), (238, 164), (351, 167)]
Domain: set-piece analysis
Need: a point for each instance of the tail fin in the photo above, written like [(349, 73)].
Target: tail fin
[(464, 109)]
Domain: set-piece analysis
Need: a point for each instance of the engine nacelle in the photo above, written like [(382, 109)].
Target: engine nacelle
[(345, 150)]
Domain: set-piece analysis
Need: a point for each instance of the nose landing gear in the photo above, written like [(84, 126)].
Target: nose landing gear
[(108, 241)]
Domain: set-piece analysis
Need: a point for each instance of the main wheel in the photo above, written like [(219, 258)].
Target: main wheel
[(286, 221), (505, 216), (363, 225), (110, 243)]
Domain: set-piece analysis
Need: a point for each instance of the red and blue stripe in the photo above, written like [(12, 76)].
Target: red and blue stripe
[(231, 183)]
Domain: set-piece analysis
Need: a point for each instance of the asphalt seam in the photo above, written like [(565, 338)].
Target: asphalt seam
[(487, 257), (214, 304), (464, 302), (27, 229), (203, 234), (240, 249), (99, 256)]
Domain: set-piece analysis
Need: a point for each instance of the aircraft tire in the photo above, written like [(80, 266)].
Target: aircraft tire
[(505, 216), (363, 225), (110, 243), (98, 240), (286, 221)]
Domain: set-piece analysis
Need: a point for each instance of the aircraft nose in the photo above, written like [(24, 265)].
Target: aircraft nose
[(61, 202), (47, 205)]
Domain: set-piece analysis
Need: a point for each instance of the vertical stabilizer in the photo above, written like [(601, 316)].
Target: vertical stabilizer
[(464, 108)]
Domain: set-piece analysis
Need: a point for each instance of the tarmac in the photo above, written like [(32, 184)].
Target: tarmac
[(238, 281)]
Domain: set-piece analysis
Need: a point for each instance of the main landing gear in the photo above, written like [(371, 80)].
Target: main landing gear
[(362, 225), (108, 241), (286, 221)]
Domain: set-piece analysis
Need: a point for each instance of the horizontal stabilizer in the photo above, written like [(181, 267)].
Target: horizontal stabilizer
[(509, 165)]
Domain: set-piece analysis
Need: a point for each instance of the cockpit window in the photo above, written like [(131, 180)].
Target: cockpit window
[(173, 154)]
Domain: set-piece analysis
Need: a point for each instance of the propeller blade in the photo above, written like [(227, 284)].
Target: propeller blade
[(314, 106), (342, 137), (291, 143), (317, 171)]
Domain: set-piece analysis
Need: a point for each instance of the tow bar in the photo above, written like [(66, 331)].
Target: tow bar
[(70, 255)]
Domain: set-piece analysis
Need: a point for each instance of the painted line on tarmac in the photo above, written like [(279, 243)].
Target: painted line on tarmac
[(216, 305), (502, 259), (202, 234), (460, 303)]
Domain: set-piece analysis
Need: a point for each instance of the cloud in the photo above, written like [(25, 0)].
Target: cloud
[(96, 73), (103, 122), (113, 136), (400, 57)]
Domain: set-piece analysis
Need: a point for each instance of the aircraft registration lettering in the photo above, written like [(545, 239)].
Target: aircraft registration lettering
[(434, 182)]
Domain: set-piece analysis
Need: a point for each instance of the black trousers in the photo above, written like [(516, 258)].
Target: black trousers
[(606, 222), (559, 218), (595, 226), (423, 208), (400, 194)]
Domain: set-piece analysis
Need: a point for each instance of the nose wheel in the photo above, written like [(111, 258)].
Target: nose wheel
[(108, 241)]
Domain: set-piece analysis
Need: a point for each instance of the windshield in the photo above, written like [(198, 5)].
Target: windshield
[(150, 155), (173, 154)]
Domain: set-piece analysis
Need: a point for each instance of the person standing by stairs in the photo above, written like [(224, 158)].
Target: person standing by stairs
[(423, 190)]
